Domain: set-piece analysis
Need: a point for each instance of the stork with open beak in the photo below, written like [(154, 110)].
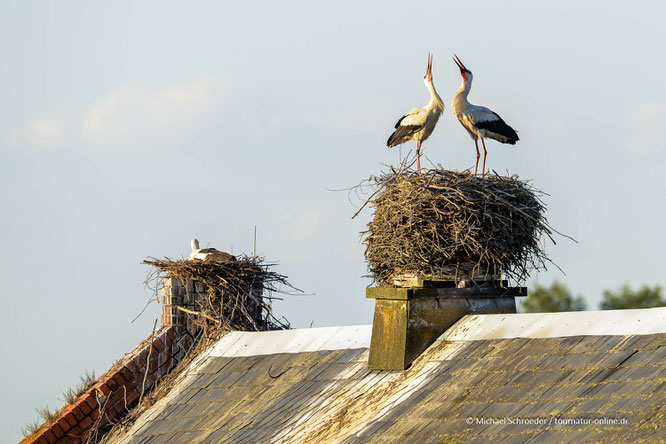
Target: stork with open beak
[(419, 123), (479, 121)]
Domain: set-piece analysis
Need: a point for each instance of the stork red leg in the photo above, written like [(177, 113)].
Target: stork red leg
[(418, 156), (485, 153), (476, 165)]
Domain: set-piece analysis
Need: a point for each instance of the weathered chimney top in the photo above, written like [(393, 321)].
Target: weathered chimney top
[(408, 320)]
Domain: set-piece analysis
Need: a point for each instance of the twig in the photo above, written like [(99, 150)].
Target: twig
[(198, 313), (145, 374)]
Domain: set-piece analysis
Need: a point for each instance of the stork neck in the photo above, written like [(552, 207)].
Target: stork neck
[(460, 102), (464, 89), (435, 100)]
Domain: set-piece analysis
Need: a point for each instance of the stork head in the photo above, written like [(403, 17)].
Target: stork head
[(428, 75), (194, 243), (464, 72)]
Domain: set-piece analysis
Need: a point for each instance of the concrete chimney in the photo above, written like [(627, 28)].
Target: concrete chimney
[(408, 320)]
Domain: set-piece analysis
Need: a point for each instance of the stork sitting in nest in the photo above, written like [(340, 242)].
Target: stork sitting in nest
[(209, 254)]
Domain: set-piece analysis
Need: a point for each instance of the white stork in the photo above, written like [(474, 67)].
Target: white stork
[(479, 121), (419, 123), (209, 254)]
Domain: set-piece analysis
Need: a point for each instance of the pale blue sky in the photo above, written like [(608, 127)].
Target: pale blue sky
[(126, 128)]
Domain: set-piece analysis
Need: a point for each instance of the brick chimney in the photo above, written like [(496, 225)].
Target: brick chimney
[(176, 293), (408, 319), (182, 303)]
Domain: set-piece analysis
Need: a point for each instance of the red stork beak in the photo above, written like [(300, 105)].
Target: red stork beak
[(460, 64), (429, 69)]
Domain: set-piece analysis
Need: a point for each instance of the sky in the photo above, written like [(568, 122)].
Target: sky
[(128, 128)]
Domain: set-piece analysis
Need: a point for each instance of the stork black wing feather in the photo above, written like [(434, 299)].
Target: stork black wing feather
[(402, 134), (501, 128), (398, 122)]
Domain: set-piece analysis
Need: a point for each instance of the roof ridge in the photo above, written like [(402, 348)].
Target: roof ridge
[(641, 321)]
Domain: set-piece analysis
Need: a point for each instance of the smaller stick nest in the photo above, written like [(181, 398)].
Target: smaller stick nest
[(237, 295), (454, 225)]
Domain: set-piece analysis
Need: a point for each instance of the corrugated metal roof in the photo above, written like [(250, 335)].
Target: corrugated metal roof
[(307, 386)]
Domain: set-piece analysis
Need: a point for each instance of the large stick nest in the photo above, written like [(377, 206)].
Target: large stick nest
[(233, 295), (456, 225)]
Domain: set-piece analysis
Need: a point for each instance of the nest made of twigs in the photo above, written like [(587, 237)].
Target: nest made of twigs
[(234, 295), (454, 225)]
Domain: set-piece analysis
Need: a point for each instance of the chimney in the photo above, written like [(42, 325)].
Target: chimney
[(188, 303), (187, 295), (408, 319)]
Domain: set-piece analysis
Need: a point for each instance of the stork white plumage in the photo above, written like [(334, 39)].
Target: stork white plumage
[(195, 254), (479, 121), (419, 123), (209, 254)]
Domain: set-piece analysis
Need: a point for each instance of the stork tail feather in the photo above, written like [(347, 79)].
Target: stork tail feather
[(402, 135), (499, 130)]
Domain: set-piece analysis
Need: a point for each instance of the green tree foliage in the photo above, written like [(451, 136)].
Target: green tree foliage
[(557, 297), (625, 297)]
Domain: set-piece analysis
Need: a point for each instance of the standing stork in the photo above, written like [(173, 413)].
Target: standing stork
[(419, 123), (479, 121)]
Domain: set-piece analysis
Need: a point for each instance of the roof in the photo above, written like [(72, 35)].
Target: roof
[(509, 377), (110, 396)]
